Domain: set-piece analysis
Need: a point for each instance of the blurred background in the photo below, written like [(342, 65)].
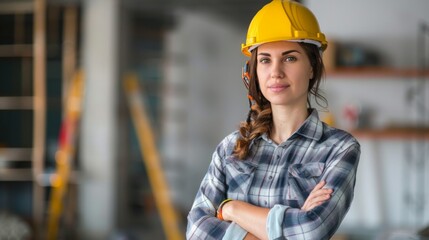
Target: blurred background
[(78, 162)]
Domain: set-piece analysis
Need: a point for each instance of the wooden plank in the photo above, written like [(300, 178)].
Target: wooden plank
[(16, 50), (17, 7), (22, 103), (39, 103), (7, 174), (15, 154), (69, 48)]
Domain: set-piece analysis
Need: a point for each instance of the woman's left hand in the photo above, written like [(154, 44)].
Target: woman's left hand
[(318, 196)]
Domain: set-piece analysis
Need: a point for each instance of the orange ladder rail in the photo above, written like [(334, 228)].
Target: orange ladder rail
[(65, 155), (169, 217)]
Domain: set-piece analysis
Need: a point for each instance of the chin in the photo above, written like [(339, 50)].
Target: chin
[(279, 103), (279, 100)]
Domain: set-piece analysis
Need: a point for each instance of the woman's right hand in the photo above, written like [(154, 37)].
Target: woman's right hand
[(317, 196)]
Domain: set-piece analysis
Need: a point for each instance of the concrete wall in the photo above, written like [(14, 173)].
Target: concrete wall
[(205, 98)]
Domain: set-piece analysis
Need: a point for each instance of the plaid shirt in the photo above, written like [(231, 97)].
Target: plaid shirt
[(280, 177)]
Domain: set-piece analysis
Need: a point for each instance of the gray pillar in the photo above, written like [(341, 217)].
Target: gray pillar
[(98, 152)]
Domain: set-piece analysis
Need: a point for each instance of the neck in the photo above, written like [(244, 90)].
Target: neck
[(286, 121)]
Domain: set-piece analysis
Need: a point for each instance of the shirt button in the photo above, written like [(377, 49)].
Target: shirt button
[(240, 169), (278, 157), (270, 177), (266, 203)]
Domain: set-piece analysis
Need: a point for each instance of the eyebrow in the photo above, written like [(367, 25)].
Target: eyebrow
[(283, 53)]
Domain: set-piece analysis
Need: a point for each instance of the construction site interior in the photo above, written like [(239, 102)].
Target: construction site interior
[(110, 111)]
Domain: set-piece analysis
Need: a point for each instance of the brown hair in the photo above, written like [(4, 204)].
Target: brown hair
[(259, 120)]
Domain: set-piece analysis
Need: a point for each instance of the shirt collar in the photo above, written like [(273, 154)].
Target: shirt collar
[(312, 128)]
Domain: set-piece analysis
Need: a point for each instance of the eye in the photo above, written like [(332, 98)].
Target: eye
[(264, 60), (290, 59)]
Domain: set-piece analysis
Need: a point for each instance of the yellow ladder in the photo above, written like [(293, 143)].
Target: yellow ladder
[(151, 158), (65, 154)]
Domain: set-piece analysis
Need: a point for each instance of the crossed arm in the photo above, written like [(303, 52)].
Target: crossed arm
[(253, 218), (318, 217)]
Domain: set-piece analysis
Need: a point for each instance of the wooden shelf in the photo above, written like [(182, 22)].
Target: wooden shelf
[(378, 72), (393, 133), (10, 103)]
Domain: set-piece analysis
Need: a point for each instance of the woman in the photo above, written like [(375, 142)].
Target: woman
[(284, 174)]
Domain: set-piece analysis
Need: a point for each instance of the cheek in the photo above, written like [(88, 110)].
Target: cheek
[(259, 73), (302, 80), (261, 77), (299, 75)]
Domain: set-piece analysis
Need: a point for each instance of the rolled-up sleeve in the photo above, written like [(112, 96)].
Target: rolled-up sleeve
[(322, 221), (234, 232)]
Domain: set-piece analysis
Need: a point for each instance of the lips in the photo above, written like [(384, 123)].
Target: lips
[(278, 87)]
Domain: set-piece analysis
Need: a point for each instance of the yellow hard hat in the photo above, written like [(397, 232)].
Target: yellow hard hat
[(283, 20)]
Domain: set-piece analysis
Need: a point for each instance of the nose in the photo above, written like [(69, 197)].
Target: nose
[(277, 70)]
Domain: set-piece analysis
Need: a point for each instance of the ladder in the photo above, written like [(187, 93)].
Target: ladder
[(150, 155), (65, 155), (36, 102)]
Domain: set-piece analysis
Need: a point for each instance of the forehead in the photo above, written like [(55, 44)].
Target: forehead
[(279, 46)]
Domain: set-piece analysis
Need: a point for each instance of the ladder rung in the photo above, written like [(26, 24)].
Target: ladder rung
[(17, 7), (10, 103), (15, 154), (10, 174)]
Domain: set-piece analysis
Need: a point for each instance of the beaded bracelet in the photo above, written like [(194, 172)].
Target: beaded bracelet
[(219, 209)]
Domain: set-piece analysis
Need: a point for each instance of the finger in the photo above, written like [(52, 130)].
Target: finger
[(320, 198), (316, 202), (322, 192), (312, 202), (304, 207), (319, 185), (319, 193), (315, 195), (317, 188)]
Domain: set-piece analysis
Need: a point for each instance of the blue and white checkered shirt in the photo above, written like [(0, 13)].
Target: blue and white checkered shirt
[(280, 177)]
